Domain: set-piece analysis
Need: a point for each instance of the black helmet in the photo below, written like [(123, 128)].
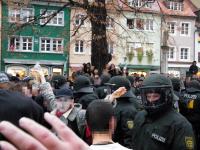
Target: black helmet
[(194, 84), (176, 83), (104, 79), (131, 79), (82, 84), (120, 81), (160, 84), (58, 81)]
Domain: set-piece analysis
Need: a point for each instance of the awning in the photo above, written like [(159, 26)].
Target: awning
[(141, 67), (30, 61)]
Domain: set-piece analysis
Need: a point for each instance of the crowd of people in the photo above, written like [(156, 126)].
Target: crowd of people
[(111, 110)]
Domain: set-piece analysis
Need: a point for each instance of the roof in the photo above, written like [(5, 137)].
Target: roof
[(187, 11), (196, 3)]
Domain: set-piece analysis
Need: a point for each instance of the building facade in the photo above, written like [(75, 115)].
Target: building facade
[(180, 21), (29, 36), (133, 38)]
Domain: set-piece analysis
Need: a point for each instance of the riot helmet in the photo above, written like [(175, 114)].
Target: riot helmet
[(157, 93), (120, 81), (82, 84)]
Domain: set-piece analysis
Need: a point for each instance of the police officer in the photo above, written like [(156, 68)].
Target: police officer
[(102, 90), (190, 107), (159, 126), (83, 91), (59, 82), (124, 111), (137, 84)]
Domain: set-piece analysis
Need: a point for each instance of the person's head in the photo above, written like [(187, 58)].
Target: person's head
[(194, 84), (194, 62), (82, 84), (58, 81), (120, 81), (112, 66), (64, 99), (138, 82), (176, 83), (103, 121), (4, 81), (131, 79), (157, 93)]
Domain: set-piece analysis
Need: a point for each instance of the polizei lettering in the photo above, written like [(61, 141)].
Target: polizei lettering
[(158, 137), (190, 96)]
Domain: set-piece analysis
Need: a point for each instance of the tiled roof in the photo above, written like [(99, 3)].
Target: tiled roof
[(187, 9)]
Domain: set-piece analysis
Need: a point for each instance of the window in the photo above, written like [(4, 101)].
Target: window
[(140, 3), (79, 46), (57, 20), (184, 54), (175, 5), (17, 43), (21, 15), (171, 53), (140, 24), (51, 45), (109, 22), (79, 19), (149, 24), (133, 46), (171, 27), (130, 23), (184, 28), (110, 47)]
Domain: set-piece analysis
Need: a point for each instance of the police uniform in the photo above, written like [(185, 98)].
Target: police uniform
[(125, 111), (160, 126), (83, 91), (190, 108), (170, 131)]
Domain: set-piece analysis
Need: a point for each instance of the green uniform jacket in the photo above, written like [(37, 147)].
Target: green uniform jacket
[(170, 131)]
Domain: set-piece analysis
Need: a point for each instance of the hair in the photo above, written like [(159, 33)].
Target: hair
[(98, 115)]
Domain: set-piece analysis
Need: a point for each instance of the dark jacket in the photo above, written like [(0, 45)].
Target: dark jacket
[(190, 105), (125, 112), (193, 69), (86, 99), (102, 92), (169, 131)]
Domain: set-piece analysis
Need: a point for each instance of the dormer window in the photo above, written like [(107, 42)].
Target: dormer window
[(175, 5), (140, 3)]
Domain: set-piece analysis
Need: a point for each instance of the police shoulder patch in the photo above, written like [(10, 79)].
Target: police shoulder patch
[(130, 124), (189, 143)]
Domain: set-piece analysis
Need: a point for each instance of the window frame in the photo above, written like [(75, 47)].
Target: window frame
[(79, 52), (189, 29), (51, 45), (188, 58), (149, 25), (20, 15), (174, 53), (79, 19), (179, 6), (175, 27), (50, 23), (21, 44)]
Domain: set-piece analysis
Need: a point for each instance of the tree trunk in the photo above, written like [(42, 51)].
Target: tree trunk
[(99, 47)]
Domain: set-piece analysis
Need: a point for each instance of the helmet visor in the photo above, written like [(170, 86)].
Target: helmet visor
[(155, 96)]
